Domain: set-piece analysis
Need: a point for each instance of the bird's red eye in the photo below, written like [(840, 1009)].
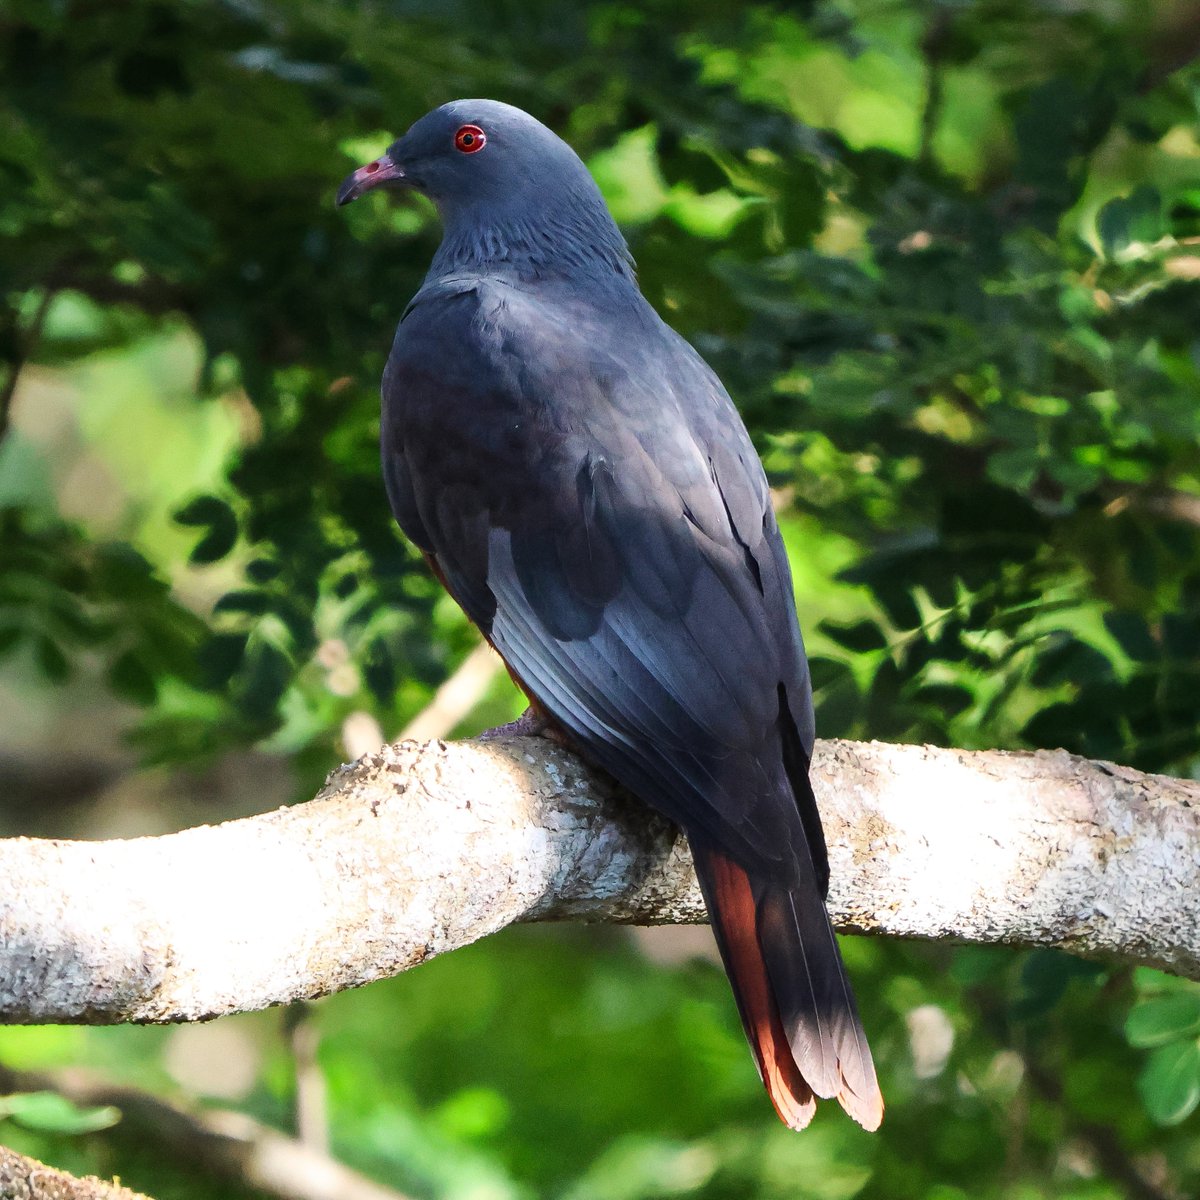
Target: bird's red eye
[(470, 139)]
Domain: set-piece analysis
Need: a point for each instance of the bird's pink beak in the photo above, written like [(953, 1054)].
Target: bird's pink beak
[(381, 171)]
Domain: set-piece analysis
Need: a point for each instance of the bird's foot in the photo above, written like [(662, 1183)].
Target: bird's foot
[(533, 722)]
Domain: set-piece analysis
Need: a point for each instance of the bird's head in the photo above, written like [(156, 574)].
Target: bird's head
[(469, 153), (506, 187)]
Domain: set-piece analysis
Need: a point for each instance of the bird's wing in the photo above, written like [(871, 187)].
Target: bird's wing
[(596, 507)]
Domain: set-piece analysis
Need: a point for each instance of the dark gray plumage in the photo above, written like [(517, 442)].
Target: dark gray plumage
[(583, 485)]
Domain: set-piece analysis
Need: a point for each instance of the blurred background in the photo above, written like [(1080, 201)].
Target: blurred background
[(946, 257)]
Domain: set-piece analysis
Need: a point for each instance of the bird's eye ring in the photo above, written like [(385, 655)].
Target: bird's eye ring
[(470, 139)]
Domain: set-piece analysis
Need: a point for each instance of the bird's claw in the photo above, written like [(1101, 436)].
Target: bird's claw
[(531, 723)]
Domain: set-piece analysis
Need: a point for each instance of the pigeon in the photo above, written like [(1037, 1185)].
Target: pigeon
[(581, 483)]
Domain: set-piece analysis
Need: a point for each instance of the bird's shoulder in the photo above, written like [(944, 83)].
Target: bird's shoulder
[(491, 317), (568, 365)]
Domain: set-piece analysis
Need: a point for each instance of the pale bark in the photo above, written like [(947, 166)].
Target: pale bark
[(418, 849), (24, 1178)]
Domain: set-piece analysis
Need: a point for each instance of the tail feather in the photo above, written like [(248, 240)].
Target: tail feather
[(731, 903), (792, 992)]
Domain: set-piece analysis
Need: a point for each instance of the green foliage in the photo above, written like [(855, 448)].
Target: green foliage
[(1170, 1082), (48, 1112), (1167, 1022), (62, 593), (943, 254)]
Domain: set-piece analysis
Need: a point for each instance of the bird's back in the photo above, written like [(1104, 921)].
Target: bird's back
[(597, 507)]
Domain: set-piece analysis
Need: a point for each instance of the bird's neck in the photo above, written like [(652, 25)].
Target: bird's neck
[(569, 239)]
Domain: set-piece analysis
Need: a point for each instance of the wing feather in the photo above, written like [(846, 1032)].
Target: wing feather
[(596, 507)]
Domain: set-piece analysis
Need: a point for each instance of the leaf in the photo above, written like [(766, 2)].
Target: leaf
[(839, 706), (860, 637), (379, 669), (1129, 220), (1132, 634), (1149, 980), (130, 677), (262, 570), (120, 571), (897, 601), (1016, 468), (50, 658), (253, 603), (826, 671), (884, 715), (1045, 977), (268, 671), (1170, 1082), (1069, 660), (204, 510), (1181, 637), (1164, 1019), (220, 656), (49, 1112), (1067, 726), (221, 523), (948, 698)]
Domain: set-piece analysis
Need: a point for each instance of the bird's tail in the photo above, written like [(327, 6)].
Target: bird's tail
[(791, 989)]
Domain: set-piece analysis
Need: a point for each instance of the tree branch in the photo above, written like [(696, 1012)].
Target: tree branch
[(310, 1107), (228, 1145), (421, 848), (26, 344), (24, 1178)]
